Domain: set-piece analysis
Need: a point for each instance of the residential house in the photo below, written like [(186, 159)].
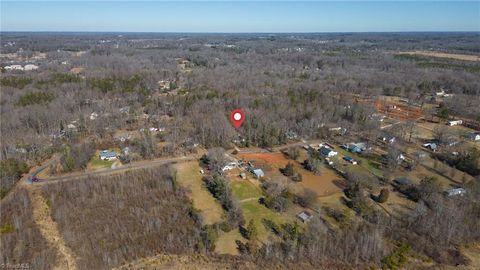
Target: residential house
[(431, 146), (13, 67), (229, 166), (454, 122), (327, 152), (455, 192), (474, 136), (108, 155), (30, 67), (356, 147)]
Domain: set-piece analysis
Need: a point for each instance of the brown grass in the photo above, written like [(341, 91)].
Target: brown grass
[(324, 184), (188, 175), (463, 57)]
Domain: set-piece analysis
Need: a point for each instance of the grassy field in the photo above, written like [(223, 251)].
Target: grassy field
[(188, 175), (256, 211), (244, 189), (226, 242), (323, 184)]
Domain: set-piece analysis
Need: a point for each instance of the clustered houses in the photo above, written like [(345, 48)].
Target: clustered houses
[(28, 67)]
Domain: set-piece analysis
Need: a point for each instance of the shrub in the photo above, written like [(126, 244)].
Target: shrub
[(288, 170), (307, 198), (396, 259), (17, 82), (383, 197), (35, 98)]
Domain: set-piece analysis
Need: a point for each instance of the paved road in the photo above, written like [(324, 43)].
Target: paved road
[(132, 166)]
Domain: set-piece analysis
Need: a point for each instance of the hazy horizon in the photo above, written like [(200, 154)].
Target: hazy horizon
[(240, 17)]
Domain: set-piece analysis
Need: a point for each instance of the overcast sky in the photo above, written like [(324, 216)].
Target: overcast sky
[(240, 16)]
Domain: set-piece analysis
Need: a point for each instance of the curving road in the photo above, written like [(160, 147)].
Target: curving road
[(132, 166)]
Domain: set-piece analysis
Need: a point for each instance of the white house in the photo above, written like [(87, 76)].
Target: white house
[(108, 155), (14, 67), (456, 192), (30, 67), (455, 122), (229, 166)]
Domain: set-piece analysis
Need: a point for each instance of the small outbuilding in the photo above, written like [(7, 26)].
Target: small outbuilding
[(304, 216), (258, 173), (350, 159)]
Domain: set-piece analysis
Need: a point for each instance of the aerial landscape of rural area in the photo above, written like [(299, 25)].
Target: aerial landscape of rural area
[(238, 143)]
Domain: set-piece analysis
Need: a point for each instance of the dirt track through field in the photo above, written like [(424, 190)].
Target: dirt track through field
[(49, 230)]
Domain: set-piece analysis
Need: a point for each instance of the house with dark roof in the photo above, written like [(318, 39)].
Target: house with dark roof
[(327, 152), (108, 155)]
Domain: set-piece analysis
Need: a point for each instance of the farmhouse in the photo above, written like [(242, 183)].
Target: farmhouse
[(454, 122), (474, 136), (327, 152), (304, 216), (455, 192), (108, 155)]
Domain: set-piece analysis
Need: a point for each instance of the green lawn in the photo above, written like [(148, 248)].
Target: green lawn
[(256, 211), (244, 189)]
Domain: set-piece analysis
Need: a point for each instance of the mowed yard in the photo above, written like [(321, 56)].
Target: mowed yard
[(189, 176)]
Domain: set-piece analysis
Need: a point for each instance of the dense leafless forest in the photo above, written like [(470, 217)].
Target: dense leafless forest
[(175, 91)]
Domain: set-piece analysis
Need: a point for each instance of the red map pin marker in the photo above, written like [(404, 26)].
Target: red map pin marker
[(237, 117)]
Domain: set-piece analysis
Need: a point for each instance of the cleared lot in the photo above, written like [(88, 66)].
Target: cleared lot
[(188, 175)]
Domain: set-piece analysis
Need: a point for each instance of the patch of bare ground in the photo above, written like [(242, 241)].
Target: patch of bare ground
[(49, 230), (463, 57)]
